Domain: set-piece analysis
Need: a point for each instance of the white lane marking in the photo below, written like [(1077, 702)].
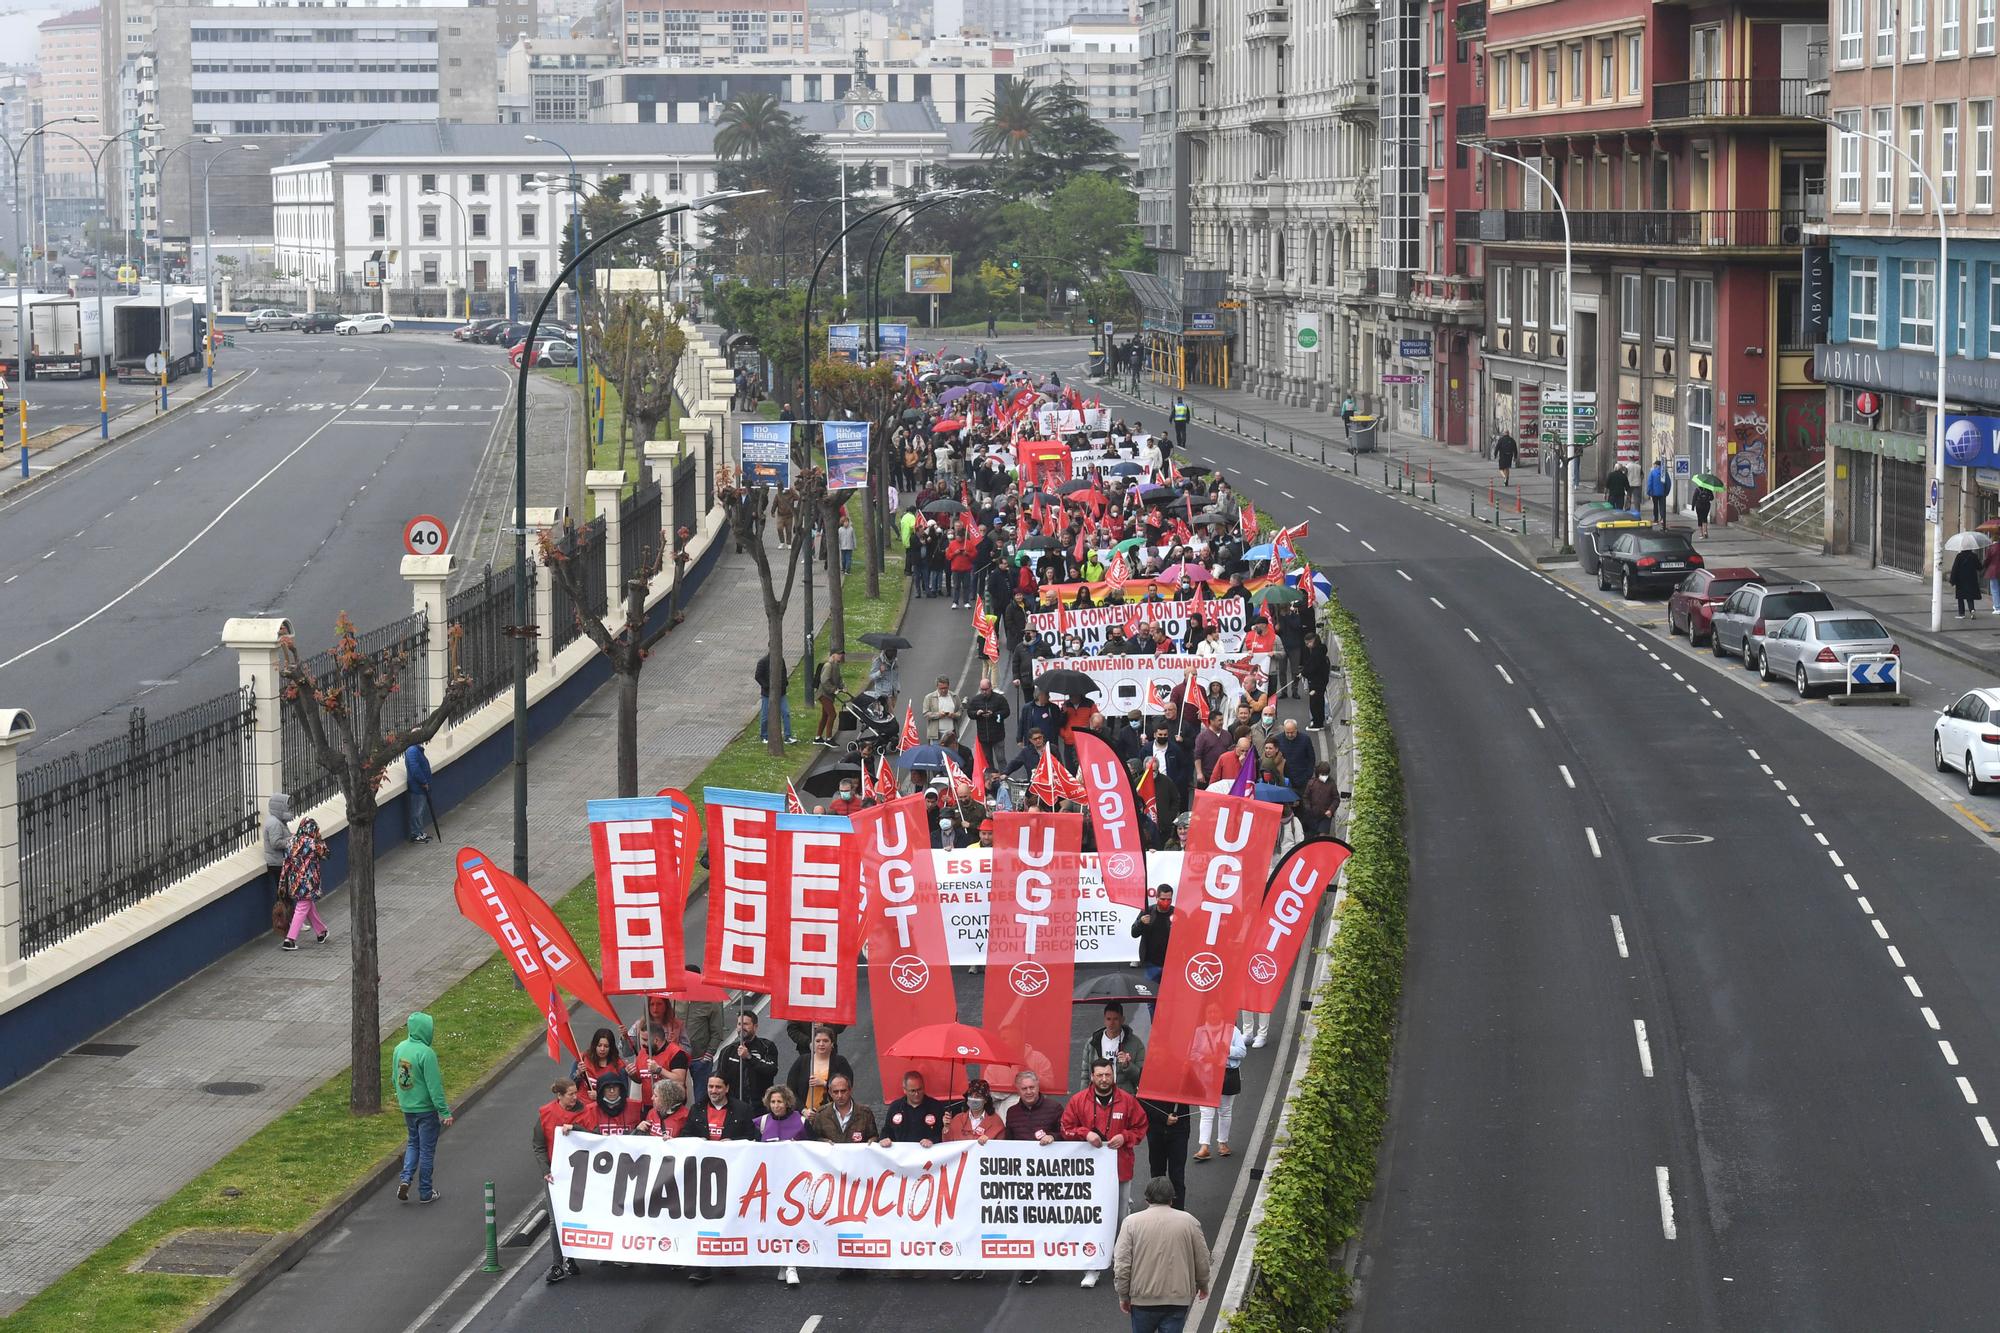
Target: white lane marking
[(1503, 673), (1370, 545), (1915, 989), (1881, 931), (1766, 768), (1834, 857), (1865, 907), (1342, 526), (1434, 602), (1851, 884), (1666, 1202), (12, 577), (1591, 834), (1704, 701), (1618, 935), (1469, 634), (1986, 1131), (809, 1325), (1678, 676), (1314, 508), (1808, 818), (1779, 783), (1404, 577), (1965, 1086), (1716, 711), (1931, 1018), (1950, 1056), (1645, 1050), (1288, 495), (1794, 800), (1896, 956), (1539, 724), (1568, 781), (1753, 754)]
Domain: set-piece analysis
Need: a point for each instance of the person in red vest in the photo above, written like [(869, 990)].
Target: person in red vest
[(551, 1118), (1104, 1115), (961, 555)]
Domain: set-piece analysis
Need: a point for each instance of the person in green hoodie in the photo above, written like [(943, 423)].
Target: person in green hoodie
[(420, 1093)]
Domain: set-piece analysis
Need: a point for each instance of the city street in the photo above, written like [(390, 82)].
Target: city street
[(285, 494)]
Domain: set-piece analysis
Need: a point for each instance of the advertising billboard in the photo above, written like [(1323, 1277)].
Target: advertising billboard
[(927, 275)]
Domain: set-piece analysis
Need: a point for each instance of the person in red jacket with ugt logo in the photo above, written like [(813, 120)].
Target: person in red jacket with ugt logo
[(1104, 1115)]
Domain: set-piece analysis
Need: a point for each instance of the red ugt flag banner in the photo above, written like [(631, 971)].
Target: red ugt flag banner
[(909, 968), (632, 847), (485, 893), (1121, 854), (742, 874), (1031, 938), (1290, 900), (815, 920), (1228, 856)]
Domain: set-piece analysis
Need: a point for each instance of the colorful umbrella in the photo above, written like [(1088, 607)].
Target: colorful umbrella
[(1275, 593), (947, 425), (955, 393), (957, 1042), (1130, 544), (1175, 573), (1708, 481)]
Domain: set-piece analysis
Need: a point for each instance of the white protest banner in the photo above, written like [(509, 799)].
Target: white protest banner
[(1094, 624), (1142, 682), (638, 1199), (1055, 422), (1103, 928)]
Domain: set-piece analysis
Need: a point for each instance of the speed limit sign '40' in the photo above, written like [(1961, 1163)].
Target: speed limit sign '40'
[(426, 535)]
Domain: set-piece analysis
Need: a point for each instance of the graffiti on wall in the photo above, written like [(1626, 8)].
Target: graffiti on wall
[(1800, 443)]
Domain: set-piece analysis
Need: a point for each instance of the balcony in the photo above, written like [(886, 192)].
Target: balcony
[(1269, 22), (1471, 17), (1269, 194), (1195, 43), (1471, 122), (1361, 283), (1764, 230), (1194, 120), (1266, 114), (1357, 99), (1448, 296), (1816, 76), (1769, 100)]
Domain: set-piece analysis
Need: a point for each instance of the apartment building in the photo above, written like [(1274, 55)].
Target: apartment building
[(1921, 78), (70, 85), (653, 31), (1098, 55), (548, 78), (959, 78)]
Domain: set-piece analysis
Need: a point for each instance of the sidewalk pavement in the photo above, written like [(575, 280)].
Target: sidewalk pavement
[(1466, 482), (53, 458), (277, 1022)]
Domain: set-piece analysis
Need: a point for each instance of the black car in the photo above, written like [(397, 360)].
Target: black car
[(483, 331), (506, 333), (320, 321), (1637, 562)]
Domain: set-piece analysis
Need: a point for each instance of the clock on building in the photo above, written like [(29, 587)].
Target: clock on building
[(864, 120)]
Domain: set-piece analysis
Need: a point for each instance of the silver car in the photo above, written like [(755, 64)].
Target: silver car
[(1740, 623), (1812, 649)]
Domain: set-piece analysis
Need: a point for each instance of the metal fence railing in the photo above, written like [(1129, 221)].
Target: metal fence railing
[(687, 509), (306, 781), (638, 532), (481, 611), (584, 548), (112, 826)]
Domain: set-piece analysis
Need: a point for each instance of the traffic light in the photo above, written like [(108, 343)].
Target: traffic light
[(1014, 264)]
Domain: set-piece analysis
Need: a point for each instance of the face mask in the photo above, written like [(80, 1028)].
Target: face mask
[(976, 1105), (1133, 723)]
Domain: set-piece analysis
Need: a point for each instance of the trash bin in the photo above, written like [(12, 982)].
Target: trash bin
[(1607, 521), (1361, 433), (1096, 363)]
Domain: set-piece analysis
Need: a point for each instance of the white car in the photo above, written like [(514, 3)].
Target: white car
[(1966, 737), (372, 322)]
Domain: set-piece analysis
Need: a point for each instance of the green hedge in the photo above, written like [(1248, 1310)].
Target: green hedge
[(1323, 1174)]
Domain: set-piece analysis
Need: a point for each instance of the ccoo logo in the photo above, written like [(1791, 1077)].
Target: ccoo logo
[(1204, 971), (1028, 979)]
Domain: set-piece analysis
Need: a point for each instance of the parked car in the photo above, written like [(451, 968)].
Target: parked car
[(1966, 737), (1692, 607), (1739, 624), (1811, 649), (89, 271), (504, 333), (257, 321), (548, 352), (1639, 561), (372, 322), (320, 321)]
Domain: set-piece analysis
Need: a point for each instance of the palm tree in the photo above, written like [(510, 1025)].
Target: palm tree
[(1014, 122), (750, 125)]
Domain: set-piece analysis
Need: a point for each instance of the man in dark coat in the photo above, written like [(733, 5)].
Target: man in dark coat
[(1316, 665), (748, 1066)]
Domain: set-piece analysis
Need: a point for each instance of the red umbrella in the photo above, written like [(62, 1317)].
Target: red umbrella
[(1084, 497), (949, 424), (955, 1042)]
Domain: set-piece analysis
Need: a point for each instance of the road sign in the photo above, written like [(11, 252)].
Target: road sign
[(155, 364), (1683, 467), (1401, 379), (1414, 349), (1872, 671), (425, 535)]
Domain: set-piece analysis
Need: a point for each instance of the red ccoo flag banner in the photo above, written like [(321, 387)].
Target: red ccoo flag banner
[(909, 969), (1229, 845), (638, 886), (1121, 853), (1031, 939), (487, 886), (1290, 900), (815, 920), (742, 875)]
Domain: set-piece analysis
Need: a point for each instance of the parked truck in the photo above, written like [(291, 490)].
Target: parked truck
[(136, 335), (55, 338)]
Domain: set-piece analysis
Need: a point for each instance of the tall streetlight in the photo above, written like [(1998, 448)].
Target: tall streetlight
[(160, 161), (207, 251), (464, 230), (1934, 448), (523, 620), (104, 142), (1569, 457), (576, 248), (21, 372)]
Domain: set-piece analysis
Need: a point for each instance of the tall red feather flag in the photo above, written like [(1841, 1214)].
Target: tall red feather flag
[(1147, 793), (1031, 941), (815, 920), (909, 740), (1121, 851), (555, 1018), (978, 764), (885, 780), (978, 610), (1247, 517), (909, 963), (483, 889), (793, 805), (1285, 916), (1228, 857)]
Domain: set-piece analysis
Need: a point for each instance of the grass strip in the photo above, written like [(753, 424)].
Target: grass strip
[(279, 1178), (1324, 1170)]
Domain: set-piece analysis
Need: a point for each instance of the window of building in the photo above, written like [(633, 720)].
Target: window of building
[(1501, 88), (1885, 31), (1701, 312), (1917, 33), (1436, 20), (1916, 321), (1961, 313), (1558, 300), (1849, 14), (1993, 312), (1629, 288), (378, 226), (1864, 299), (531, 270), (1606, 87), (1633, 70), (1437, 141), (430, 273), (430, 182), (1663, 310), (1503, 296), (378, 184), (1947, 133), (1551, 78), (1982, 26), (1882, 160), (1913, 142), (527, 225), (1524, 80), (478, 182), (1948, 28), (1577, 92), (526, 180), (1531, 297), (1701, 424), (429, 227), (1982, 155), (1847, 160), (479, 226)]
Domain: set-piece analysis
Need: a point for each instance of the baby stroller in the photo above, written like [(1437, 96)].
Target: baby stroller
[(869, 715)]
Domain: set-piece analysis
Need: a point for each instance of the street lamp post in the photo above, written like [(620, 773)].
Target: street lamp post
[(464, 264), (21, 373), (576, 248), (103, 353), (160, 161), (523, 620), (207, 253), (1569, 456)]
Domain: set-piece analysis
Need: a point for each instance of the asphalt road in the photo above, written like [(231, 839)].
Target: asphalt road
[(285, 494)]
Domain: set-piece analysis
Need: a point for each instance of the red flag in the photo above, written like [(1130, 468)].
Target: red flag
[(978, 610), (1062, 619), (1146, 792), (1286, 915), (1121, 852), (1159, 694), (638, 876), (687, 842), (815, 920), (1181, 531), (1020, 526), (1229, 845), (1117, 572), (555, 1017), (909, 967), (1247, 517), (1041, 518), (742, 875), (793, 805), (978, 764), (1031, 939), (1077, 554), (885, 780), (483, 889), (909, 740)]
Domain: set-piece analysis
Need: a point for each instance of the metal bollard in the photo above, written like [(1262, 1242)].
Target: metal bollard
[(1471, 504), (492, 1264)]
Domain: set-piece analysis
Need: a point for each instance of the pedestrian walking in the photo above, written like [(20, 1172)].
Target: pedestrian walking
[(915, 1117), (943, 713), (299, 882), (1505, 452), (705, 1028), (1701, 500), (278, 841), (1104, 1115), (1160, 1263), (785, 507), (1347, 415), (1032, 1118), (1167, 1143), (782, 1123), (417, 800), (1152, 929), (1182, 415), (564, 1108), (1989, 563), (1966, 571), (1316, 665), (763, 678), (1118, 1044), (1658, 486), (1218, 1035), (842, 1119), (1617, 486), (420, 1096), (846, 543), (831, 683), (1320, 802)]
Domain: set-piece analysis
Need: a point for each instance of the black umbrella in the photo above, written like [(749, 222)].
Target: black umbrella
[(1195, 470), (940, 507), (1212, 520), (1160, 495), (1029, 497), (1066, 684), (1039, 543), (881, 639), (912, 414), (951, 381), (826, 781)]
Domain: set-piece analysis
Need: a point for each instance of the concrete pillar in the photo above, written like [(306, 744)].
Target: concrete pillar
[(540, 521), (258, 658), (604, 485), (661, 455), (696, 440), (427, 575), (15, 727)]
